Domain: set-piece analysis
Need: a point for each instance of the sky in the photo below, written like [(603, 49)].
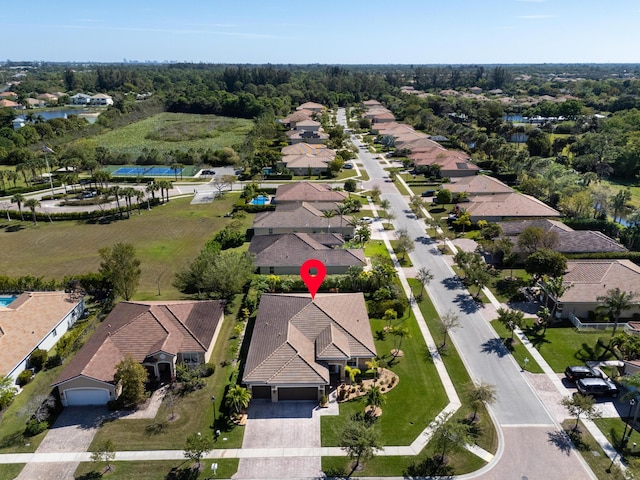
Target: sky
[(325, 32)]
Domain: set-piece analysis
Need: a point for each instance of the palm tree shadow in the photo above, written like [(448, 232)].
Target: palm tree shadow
[(562, 441), (495, 345)]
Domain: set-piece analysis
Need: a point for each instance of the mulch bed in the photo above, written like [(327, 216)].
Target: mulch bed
[(387, 380)]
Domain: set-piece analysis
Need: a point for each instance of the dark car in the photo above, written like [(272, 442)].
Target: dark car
[(582, 371), (597, 387), (428, 193), (348, 166)]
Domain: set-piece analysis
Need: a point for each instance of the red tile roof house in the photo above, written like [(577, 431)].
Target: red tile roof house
[(312, 107), (301, 218), (507, 206), (305, 164), (590, 279), (477, 185), (309, 192), (284, 254), (297, 116), (159, 335), (452, 163), (34, 320), (307, 149), (298, 345)]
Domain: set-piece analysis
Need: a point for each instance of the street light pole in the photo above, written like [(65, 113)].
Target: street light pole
[(625, 440), (213, 401)]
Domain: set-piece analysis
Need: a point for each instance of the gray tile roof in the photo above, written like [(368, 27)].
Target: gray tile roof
[(309, 192), (289, 329), (293, 249)]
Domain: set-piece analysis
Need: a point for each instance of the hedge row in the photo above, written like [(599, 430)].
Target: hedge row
[(633, 256), (33, 188)]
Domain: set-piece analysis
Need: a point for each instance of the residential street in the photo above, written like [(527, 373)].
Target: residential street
[(483, 353)]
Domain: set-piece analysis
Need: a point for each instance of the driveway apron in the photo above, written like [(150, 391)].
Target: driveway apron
[(281, 425)]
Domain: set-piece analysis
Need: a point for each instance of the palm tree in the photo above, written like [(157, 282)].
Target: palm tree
[(32, 204), (116, 190), (555, 288), (374, 398), (615, 302), (152, 188), (329, 214), (399, 334), (342, 210), (237, 398), (128, 194), (139, 194), (385, 205), (103, 177), (12, 176), (352, 372), (175, 168), (374, 367), (18, 198)]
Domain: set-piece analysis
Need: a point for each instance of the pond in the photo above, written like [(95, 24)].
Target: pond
[(89, 114)]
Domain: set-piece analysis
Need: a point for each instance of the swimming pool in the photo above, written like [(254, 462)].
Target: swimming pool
[(6, 300), (260, 200), (158, 171)]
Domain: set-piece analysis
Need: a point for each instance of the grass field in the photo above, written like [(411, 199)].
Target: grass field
[(166, 239), (158, 470), (176, 131)]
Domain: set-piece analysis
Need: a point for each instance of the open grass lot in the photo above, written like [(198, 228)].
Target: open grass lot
[(593, 454), (170, 131), (412, 404), (166, 239), (158, 470), (194, 410), (10, 471)]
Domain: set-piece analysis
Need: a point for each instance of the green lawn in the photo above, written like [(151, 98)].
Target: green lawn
[(375, 248), (10, 471), (517, 349), (166, 239), (195, 410), (176, 131), (412, 404), (564, 346), (591, 451), (158, 470)]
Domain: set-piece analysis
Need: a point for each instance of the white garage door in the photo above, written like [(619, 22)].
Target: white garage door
[(87, 396)]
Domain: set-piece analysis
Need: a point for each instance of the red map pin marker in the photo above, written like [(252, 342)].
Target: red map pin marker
[(313, 282)]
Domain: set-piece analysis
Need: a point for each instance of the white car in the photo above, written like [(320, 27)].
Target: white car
[(366, 220)]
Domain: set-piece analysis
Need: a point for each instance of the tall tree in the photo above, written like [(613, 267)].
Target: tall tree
[(32, 204), (580, 405), (104, 452), (448, 435), (404, 243), (424, 276), (18, 199), (121, 268), (448, 322), (197, 446), (131, 376), (360, 439), (511, 319), (479, 394)]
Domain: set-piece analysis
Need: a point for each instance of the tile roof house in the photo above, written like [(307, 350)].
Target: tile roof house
[(101, 99), (505, 206), (34, 320), (477, 185), (284, 254), (309, 192), (590, 279), (301, 218), (306, 149), (568, 239), (305, 164), (297, 116), (80, 99), (10, 104), (159, 335), (299, 345), (312, 107), (452, 163), (371, 103)]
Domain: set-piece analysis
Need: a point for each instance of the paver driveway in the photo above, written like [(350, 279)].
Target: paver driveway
[(281, 425), (73, 431)]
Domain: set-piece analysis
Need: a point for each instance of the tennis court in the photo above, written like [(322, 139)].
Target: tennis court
[(152, 171)]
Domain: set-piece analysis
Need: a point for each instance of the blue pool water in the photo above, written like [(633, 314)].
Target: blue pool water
[(5, 301), (260, 200), (156, 171)]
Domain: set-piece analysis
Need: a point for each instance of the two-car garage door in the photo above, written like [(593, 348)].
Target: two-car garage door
[(86, 396), (298, 393)]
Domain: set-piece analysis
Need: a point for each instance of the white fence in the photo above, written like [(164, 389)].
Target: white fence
[(594, 326)]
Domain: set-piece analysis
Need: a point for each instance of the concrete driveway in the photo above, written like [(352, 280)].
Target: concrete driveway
[(281, 425), (73, 431)]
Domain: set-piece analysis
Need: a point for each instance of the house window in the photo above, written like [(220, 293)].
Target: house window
[(272, 270), (190, 358), (54, 333), (352, 362), (271, 231)]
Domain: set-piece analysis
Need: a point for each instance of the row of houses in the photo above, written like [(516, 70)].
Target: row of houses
[(8, 100)]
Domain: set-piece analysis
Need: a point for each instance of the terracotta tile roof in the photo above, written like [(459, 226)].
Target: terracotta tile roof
[(8, 104), (26, 321), (569, 240), (371, 103), (293, 249), (290, 327), (307, 123), (304, 149), (309, 192), (302, 161), (506, 205), (311, 106), (295, 215), (477, 185), (141, 329), (591, 279)]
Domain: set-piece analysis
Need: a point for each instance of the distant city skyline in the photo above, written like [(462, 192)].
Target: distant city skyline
[(330, 32)]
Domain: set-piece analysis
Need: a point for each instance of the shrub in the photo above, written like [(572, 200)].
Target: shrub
[(24, 377), (53, 361), (6, 397), (207, 369), (35, 427), (38, 359)]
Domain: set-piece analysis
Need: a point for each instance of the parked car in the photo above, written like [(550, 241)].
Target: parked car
[(428, 193), (577, 372), (348, 166), (366, 220), (597, 387)]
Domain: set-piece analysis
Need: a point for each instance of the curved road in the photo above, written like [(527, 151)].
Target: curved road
[(529, 443)]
